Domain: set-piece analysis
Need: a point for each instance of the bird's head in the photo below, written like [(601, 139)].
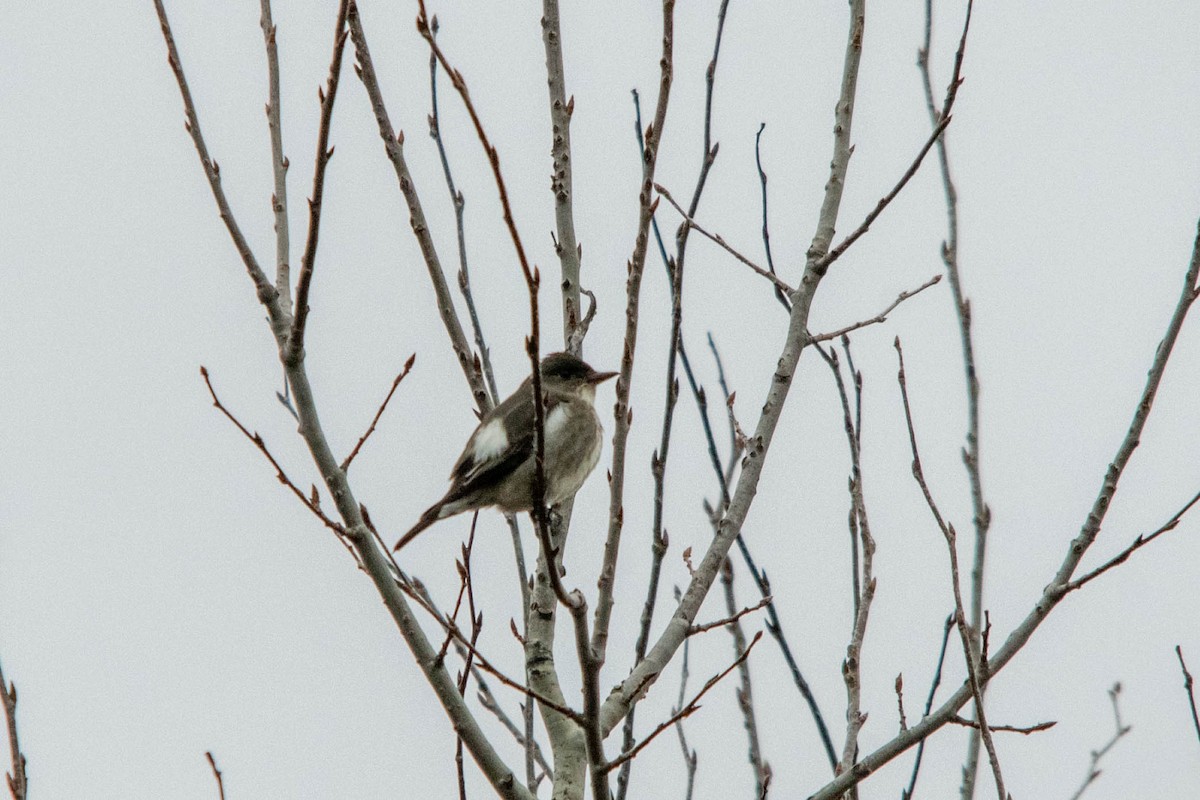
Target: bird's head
[(563, 372)]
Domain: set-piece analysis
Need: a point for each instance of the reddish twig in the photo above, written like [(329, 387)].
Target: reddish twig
[(684, 712), (779, 283), (878, 318), (721, 623), (393, 144), (468, 584), (295, 346), (885, 201), (312, 504), (18, 780), (212, 763), (464, 576), (371, 429), (1022, 729), (1141, 541), (265, 291)]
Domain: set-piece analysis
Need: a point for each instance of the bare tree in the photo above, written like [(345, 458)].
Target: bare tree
[(580, 757)]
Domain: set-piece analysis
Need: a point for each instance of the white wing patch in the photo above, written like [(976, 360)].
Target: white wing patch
[(555, 421), (490, 441)]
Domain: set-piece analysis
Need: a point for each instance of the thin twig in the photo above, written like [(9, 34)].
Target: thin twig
[(719, 241), (774, 624), (860, 532), (976, 666), (1187, 687), (279, 162), (459, 202), (690, 757), (732, 618), (18, 779), (658, 461), (1141, 541), (780, 295), (266, 292), (312, 504), (212, 763), (483, 662), (622, 413), (1093, 768), (981, 518), (886, 200), (1022, 729), (358, 533), (907, 793), (476, 628), (371, 429), (880, 317), (489, 702), (295, 348), (684, 712), (393, 145), (745, 692), (565, 245), (1076, 549)]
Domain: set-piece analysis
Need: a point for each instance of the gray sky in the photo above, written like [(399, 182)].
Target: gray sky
[(162, 595)]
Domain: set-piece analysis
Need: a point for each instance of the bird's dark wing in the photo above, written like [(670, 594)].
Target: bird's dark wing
[(502, 442)]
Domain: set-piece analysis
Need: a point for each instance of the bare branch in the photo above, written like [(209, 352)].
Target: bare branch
[(971, 458), (1024, 730), (745, 692), (279, 163), (489, 702), (774, 624), (1056, 589), (459, 202), (1141, 541), (568, 250), (371, 429), (18, 780), (686, 711), (886, 200), (691, 223), (780, 295), (675, 352), (266, 292), (357, 533), (976, 665), (1093, 768), (311, 503), (732, 618), (1187, 687), (881, 316), (212, 763), (394, 147), (860, 533), (320, 162), (622, 414), (906, 794)]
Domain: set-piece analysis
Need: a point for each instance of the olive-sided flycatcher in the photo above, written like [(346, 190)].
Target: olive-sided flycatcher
[(496, 467)]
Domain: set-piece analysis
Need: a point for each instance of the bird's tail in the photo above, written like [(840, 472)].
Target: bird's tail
[(431, 515)]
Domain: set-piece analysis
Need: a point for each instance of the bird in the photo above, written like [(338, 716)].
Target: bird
[(496, 467)]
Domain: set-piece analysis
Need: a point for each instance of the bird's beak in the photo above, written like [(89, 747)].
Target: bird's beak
[(600, 377)]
